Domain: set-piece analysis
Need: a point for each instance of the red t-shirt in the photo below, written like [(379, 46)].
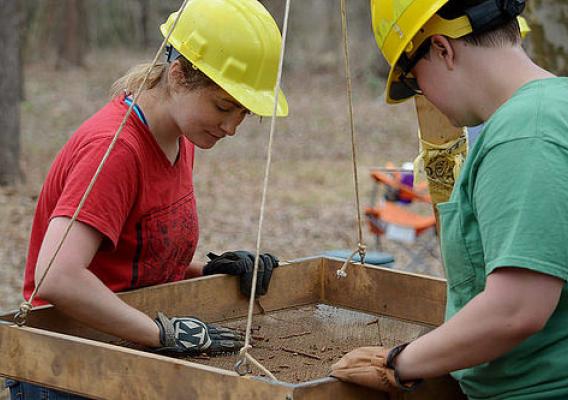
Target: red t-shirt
[(142, 204)]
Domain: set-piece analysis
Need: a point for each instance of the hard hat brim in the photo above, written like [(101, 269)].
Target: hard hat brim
[(396, 91), (259, 102)]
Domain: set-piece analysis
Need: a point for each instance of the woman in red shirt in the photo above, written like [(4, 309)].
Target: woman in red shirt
[(139, 225)]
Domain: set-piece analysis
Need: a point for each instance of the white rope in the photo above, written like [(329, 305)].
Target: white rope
[(342, 272), (361, 248), (25, 307), (244, 351), (260, 366)]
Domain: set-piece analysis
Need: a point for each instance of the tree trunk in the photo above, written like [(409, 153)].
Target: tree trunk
[(144, 15), (72, 35), (10, 72), (548, 40), (315, 39)]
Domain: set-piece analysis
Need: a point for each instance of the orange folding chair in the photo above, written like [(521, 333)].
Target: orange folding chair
[(392, 217)]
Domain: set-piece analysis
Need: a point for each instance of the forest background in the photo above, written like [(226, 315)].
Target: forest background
[(61, 56)]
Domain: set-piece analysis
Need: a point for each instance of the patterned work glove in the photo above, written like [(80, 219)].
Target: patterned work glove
[(241, 263), (372, 367), (191, 336)]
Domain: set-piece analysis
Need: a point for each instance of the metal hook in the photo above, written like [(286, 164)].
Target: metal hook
[(22, 315), (362, 249), (242, 363)]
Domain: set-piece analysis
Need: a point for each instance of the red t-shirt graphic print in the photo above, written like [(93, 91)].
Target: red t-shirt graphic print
[(165, 244)]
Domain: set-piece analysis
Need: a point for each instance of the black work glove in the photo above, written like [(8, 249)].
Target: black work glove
[(192, 336), (241, 263)]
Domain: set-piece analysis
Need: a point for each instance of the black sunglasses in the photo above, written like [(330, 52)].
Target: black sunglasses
[(411, 84), (408, 85)]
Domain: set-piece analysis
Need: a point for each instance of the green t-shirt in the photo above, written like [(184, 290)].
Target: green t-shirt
[(509, 208)]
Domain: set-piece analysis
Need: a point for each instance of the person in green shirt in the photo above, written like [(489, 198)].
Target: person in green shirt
[(504, 230)]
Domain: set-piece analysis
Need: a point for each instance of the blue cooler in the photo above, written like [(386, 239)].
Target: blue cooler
[(372, 257)]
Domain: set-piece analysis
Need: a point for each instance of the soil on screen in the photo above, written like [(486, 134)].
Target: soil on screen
[(300, 344)]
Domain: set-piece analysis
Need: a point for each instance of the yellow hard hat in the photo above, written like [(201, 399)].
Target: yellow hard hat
[(524, 26), (402, 26), (236, 43)]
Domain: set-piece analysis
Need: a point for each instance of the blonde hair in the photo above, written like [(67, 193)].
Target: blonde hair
[(132, 80), (192, 78)]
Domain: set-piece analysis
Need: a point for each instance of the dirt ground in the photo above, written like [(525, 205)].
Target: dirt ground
[(311, 202)]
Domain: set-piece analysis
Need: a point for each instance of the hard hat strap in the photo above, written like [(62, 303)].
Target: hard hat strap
[(481, 18), (493, 13), (452, 28), (171, 53)]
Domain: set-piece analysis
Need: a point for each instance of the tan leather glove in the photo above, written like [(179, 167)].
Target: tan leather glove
[(372, 367)]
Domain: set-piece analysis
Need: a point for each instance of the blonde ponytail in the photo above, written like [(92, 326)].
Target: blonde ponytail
[(192, 78), (130, 82)]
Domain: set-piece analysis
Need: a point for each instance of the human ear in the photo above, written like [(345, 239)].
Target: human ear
[(176, 78), (443, 50)]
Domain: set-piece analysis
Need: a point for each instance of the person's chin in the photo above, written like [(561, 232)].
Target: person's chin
[(206, 144), (205, 141)]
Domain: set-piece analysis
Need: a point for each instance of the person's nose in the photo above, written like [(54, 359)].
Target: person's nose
[(229, 125)]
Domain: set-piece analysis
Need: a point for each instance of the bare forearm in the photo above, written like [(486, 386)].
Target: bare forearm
[(480, 332), (83, 296), (194, 270)]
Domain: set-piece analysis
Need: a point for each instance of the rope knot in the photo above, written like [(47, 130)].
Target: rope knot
[(244, 350), (22, 315), (362, 249)]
